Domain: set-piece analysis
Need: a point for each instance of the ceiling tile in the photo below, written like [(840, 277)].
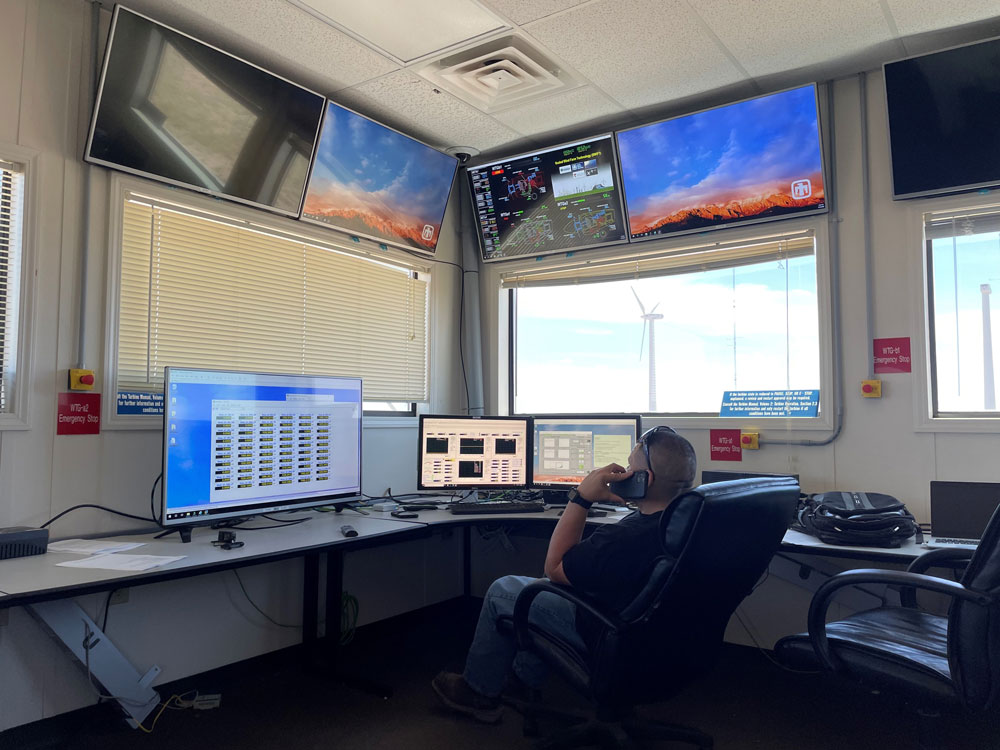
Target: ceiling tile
[(275, 35), (560, 111), (406, 29), (408, 103), (766, 36), (640, 53), (918, 16), (526, 11)]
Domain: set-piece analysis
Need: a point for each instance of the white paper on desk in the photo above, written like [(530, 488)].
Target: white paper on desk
[(121, 562), (91, 546)]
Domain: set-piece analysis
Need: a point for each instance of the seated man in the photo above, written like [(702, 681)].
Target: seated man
[(611, 565)]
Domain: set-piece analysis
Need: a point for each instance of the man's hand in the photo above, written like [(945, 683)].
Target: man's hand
[(594, 486)]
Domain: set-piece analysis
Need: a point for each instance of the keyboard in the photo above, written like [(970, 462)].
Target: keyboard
[(946, 540), (500, 506)]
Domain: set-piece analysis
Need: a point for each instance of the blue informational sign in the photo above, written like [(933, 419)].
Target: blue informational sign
[(137, 402), (769, 404)]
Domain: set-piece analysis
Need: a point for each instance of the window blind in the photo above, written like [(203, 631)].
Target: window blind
[(11, 210), (664, 262), (198, 290), (982, 220)]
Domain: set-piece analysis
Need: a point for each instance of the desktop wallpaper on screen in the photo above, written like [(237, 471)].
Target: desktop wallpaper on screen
[(752, 160), (372, 181)]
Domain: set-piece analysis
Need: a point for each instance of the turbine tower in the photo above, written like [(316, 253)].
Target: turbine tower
[(649, 318), (990, 398)]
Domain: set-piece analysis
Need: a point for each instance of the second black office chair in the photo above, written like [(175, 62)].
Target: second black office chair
[(935, 661), (717, 541)]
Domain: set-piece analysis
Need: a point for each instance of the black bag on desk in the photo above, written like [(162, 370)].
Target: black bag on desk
[(868, 519)]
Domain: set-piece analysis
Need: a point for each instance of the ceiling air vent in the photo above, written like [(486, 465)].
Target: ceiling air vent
[(499, 74)]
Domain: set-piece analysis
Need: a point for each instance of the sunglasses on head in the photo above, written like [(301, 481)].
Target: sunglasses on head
[(644, 439)]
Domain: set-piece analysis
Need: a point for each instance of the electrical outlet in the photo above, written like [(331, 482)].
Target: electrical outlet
[(120, 596)]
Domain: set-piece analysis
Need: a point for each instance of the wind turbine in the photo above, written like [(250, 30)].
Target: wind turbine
[(649, 318)]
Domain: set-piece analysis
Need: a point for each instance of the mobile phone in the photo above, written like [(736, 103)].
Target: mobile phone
[(633, 488)]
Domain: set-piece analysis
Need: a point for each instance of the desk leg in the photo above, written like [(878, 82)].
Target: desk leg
[(334, 608), (310, 605), (467, 560)]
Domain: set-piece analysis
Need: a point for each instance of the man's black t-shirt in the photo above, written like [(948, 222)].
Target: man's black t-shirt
[(613, 563)]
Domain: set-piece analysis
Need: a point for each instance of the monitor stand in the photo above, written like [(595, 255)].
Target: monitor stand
[(184, 531)]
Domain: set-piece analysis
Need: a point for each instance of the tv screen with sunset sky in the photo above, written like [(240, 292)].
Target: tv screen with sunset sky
[(373, 182), (750, 161)]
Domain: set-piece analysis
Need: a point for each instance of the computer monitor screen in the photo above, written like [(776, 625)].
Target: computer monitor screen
[(473, 452), (241, 443), (371, 181), (568, 447), (557, 200), (177, 110), (749, 161), (943, 120), (709, 476)]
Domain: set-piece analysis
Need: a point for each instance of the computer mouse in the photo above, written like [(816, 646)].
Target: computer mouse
[(403, 514), (348, 530)]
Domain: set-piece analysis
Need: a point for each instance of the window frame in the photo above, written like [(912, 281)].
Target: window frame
[(921, 348), (121, 185), (507, 330), (18, 417)]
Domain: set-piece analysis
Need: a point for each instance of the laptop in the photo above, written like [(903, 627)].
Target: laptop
[(960, 512)]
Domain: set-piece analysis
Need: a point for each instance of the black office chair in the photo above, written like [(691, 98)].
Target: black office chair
[(717, 541), (934, 661)]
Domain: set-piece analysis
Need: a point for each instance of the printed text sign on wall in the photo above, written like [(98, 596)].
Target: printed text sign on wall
[(724, 445), (770, 404), (137, 402), (78, 414), (892, 355)]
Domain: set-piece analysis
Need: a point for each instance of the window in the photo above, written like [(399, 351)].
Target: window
[(963, 261), (668, 331), (11, 236), (200, 289)]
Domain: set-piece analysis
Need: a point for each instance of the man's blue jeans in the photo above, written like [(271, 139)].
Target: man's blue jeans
[(493, 653)]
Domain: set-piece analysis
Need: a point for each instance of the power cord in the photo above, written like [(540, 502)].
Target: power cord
[(264, 614), (99, 507), (152, 494), (349, 608)]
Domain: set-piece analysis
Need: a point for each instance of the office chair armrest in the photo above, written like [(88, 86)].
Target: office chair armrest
[(523, 604), (908, 596), (824, 597)]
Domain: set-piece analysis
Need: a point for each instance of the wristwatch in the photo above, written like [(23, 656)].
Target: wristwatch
[(575, 497)]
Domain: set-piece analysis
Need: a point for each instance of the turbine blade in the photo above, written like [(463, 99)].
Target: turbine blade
[(641, 307), (654, 308)]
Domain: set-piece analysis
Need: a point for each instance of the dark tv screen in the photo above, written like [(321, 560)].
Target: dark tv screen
[(754, 160), (558, 200), (369, 180), (175, 109), (944, 116)]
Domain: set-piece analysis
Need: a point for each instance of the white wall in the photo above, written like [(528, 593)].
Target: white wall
[(45, 57)]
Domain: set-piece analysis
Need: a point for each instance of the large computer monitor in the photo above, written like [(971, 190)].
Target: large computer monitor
[(241, 443), (567, 447), (460, 452)]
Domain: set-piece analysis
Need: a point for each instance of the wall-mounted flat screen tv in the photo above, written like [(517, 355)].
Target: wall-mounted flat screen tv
[(755, 160), (175, 109), (558, 200), (371, 181), (944, 116)]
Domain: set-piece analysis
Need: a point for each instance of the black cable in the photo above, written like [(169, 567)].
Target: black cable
[(767, 656), (252, 604), (285, 520), (152, 494), (99, 507), (261, 528)]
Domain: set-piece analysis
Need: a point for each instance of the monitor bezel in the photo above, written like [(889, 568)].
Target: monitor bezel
[(483, 485), (556, 486), (619, 189), (178, 183), (350, 232), (245, 511), (824, 168), (966, 188)]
